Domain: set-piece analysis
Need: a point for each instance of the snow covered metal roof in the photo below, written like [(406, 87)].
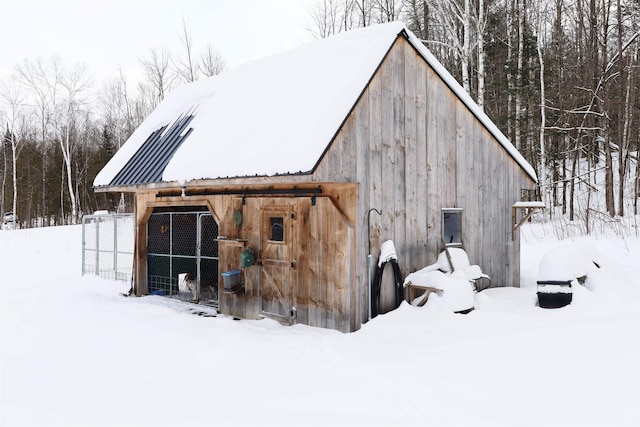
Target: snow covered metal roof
[(273, 116), (147, 167)]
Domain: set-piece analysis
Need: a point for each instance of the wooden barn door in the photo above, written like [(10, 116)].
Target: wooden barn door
[(278, 263)]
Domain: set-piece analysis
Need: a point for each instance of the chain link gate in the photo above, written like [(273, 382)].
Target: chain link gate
[(182, 254), (107, 245)]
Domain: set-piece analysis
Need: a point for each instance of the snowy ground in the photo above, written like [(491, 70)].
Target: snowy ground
[(74, 352)]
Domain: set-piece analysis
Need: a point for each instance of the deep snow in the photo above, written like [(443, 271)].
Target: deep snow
[(74, 352)]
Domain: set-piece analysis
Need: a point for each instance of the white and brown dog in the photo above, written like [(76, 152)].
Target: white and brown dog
[(191, 284)]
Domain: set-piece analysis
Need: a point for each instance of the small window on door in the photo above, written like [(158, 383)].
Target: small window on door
[(452, 226), (277, 229)]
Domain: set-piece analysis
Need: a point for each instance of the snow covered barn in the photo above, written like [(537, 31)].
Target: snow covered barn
[(261, 182)]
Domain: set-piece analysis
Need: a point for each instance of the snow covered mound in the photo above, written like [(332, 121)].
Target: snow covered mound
[(569, 262), (506, 299), (75, 353), (583, 264)]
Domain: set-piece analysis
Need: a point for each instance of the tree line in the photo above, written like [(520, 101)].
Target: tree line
[(59, 129), (559, 77)]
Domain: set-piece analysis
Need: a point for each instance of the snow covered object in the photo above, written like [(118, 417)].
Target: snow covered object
[(388, 256), (453, 279), (554, 293), (560, 270), (453, 293)]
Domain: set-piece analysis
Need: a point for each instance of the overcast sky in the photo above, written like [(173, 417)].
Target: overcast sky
[(109, 34)]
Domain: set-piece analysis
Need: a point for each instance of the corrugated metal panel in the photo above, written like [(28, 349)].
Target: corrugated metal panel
[(148, 163)]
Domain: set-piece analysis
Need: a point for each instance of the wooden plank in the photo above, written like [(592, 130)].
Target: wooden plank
[(422, 256), (502, 214), (484, 245), (415, 237), (142, 213), (473, 217), (434, 203), (387, 148), (390, 184), (316, 273), (303, 255), (398, 157), (374, 185), (463, 171), (361, 139), (348, 159), (447, 139)]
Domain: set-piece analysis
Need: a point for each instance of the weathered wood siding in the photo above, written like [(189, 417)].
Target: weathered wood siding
[(414, 148), (318, 259)]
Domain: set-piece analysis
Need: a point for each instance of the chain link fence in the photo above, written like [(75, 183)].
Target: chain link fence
[(107, 246), (182, 255)]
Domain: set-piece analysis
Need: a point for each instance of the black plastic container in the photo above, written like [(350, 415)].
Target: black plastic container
[(554, 293)]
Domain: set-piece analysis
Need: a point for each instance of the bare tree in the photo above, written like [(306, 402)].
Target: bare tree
[(621, 131), (211, 62), (481, 25), (519, 74), (604, 134), (12, 99), (185, 67), (4, 164), (628, 126), (325, 19), (465, 57), (118, 108), (75, 82), (158, 72), (330, 17), (388, 10), (114, 108), (363, 9), (509, 8), (40, 78), (144, 102), (456, 19), (416, 15), (131, 119), (542, 175)]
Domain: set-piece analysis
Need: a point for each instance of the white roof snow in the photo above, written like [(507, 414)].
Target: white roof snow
[(277, 115)]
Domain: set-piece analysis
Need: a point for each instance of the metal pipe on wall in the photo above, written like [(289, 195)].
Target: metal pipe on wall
[(370, 257)]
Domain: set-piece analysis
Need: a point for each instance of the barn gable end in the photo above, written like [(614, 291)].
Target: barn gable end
[(415, 149)]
